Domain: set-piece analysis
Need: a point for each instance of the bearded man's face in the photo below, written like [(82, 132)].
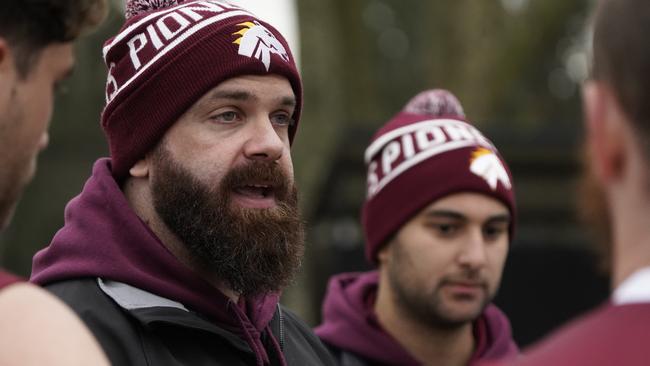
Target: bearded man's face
[(253, 250)]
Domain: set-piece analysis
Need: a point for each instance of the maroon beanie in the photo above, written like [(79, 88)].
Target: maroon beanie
[(168, 54), (426, 152)]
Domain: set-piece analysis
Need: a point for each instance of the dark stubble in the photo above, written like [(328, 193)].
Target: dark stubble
[(427, 306), (254, 251)]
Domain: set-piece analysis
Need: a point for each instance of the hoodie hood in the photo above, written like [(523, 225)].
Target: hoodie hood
[(103, 237), (494, 335), (349, 323)]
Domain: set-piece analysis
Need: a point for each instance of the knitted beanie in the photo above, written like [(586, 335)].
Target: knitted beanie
[(427, 151), (168, 54)]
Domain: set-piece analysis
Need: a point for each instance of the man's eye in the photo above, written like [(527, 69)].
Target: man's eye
[(444, 229), (282, 120), (225, 117), (494, 232)]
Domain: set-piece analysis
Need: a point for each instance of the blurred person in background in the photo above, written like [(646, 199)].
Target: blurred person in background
[(438, 219), (36, 54), (616, 104), (178, 247)]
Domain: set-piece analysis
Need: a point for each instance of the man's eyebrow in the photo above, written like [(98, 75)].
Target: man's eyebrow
[(448, 214), (499, 218), (288, 102), (242, 95), (233, 94), (445, 214)]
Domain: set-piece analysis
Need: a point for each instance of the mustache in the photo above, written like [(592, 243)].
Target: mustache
[(267, 172), (465, 279)]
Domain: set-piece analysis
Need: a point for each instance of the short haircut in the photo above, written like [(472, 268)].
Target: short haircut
[(31, 25), (621, 58)]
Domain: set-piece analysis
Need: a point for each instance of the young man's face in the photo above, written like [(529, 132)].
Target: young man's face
[(444, 265), (222, 181), (25, 109)]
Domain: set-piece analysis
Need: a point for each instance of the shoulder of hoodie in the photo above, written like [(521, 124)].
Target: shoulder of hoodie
[(32, 319), (124, 338), (116, 330), (301, 344), (607, 335), (110, 324)]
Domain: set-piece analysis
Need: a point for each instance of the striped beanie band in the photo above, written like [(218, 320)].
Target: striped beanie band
[(427, 151), (168, 54)]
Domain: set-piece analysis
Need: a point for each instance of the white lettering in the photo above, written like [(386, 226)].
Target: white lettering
[(389, 155), (210, 6), (191, 11), (133, 49), (111, 82), (181, 22), (154, 37), (423, 140), (407, 146), (480, 138), (373, 179), (458, 131)]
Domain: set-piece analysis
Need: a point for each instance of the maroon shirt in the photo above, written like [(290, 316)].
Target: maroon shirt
[(7, 279), (609, 335)]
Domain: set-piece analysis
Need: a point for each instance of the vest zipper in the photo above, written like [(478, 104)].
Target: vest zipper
[(281, 330)]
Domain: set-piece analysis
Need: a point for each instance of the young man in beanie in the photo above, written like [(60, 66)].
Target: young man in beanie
[(616, 101), (36, 53), (438, 219), (177, 249)]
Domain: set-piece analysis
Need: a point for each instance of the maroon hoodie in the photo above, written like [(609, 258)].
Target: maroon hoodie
[(349, 323), (103, 237), (608, 335), (7, 279)]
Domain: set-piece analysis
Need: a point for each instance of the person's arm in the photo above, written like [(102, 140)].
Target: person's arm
[(36, 328)]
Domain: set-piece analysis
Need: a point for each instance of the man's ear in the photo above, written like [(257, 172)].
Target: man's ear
[(383, 254), (8, 72), (605, 126), (6, 58), (4, 51), (141, 168)]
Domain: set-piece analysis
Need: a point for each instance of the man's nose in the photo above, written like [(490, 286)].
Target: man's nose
[(473, 254), (264, 142)]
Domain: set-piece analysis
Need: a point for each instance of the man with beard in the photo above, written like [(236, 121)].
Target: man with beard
[(438, 219), (36, 53), (616, 101), (177, 248)]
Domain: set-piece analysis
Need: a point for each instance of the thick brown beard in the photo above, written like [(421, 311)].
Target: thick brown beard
[(594, 212), (254, 251)]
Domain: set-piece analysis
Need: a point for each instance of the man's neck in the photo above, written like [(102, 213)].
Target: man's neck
[(630, 217), (429, 345), (628, 199), (140, 200), (629, 256)]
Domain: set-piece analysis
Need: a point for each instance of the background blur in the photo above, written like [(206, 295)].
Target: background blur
[(514, 64)]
